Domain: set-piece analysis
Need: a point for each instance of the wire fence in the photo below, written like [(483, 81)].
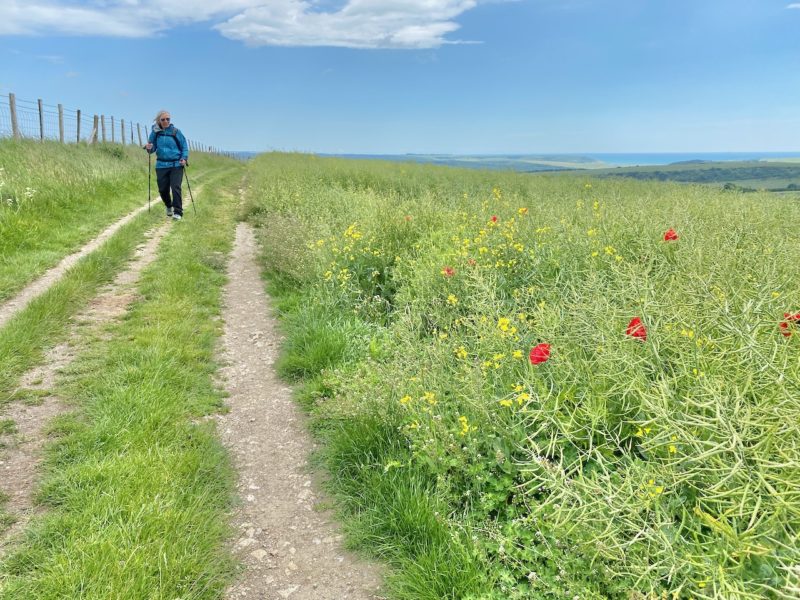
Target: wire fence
[(33, 119)]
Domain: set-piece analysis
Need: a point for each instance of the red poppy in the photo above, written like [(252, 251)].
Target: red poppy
[(789, 319), (494, 219), (670, 235), (540, 354), (636, 329), (448, 271)]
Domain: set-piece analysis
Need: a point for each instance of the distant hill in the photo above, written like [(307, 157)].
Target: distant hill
[(733, 175)]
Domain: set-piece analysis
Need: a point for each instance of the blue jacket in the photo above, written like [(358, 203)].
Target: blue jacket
[(168, 150)]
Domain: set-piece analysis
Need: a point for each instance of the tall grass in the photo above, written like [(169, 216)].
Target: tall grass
[(618, 468)]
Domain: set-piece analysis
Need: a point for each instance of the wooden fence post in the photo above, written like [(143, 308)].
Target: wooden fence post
[(94, 129), (12, 105), (139, 132), (61, 123), (103, 127), (131, 134), (122, 131), (41, 121), (78, 133), (112, 130)]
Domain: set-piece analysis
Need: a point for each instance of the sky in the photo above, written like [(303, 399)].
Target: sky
[(422, 76)]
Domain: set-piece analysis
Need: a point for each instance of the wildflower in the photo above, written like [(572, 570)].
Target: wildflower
[(503, 323), (507, 403), (523, 398), (670, 235), (494, 219), (452, 300), (786, 324), (636, 329), (775, 294), (408, 218), (540, 354), (429, 397), (461, 352), (405, 399), (517, 354), (465, 426), (523, 211), (472, 262), (448, 271)]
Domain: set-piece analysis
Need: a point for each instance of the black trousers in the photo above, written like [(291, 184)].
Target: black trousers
[(170, 179)]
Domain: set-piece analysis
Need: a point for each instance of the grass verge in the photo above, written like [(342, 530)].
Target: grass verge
[(136, 485)]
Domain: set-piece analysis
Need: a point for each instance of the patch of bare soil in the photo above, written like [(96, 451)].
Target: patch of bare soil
[(290, 548), (20, 453)]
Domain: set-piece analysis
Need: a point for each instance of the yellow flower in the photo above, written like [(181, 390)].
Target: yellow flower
[(506, 403), (517, 354), (610, 250), (523, 398), (595, 253), (775, 294), (592, 232), (461, 352), (405, 399), (503, 323), (429, 397), (452, 300)]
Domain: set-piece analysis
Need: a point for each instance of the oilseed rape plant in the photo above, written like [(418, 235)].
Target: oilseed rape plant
[(539, 386)]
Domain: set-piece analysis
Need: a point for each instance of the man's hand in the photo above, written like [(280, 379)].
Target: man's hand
[(148, 146), (183, 162)]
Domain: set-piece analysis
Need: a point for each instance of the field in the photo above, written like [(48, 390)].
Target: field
[(750, 175), (550, 386), (498, 424)]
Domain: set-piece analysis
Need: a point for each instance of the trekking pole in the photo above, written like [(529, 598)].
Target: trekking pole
[(189, 185), (149, 175)]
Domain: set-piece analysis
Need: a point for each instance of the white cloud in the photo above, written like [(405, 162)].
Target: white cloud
[(794, 5), (356, 24)]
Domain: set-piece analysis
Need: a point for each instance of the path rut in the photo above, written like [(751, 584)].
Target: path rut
[(290, 549)]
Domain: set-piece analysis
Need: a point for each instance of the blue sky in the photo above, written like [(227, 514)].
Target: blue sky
[(397, 76)]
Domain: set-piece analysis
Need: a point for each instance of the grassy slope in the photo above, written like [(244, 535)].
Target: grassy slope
[(616, 467), (56, 197), (135, 488)]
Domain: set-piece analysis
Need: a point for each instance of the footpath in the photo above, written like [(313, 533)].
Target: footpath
[(283, 543)]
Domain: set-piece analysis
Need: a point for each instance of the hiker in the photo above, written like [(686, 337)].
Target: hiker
[(172, 154)]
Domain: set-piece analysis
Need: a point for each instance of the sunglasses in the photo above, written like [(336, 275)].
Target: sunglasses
[(164, 119)]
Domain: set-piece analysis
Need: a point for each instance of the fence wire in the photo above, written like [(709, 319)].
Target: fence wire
[(78, 126)]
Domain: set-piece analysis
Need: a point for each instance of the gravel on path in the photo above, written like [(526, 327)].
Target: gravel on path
[(289, 547)]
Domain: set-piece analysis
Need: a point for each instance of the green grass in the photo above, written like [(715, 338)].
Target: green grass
[(54, 198), (137, 486), (411, 296)]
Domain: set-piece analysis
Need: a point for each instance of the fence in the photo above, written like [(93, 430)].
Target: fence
[(37, 120)]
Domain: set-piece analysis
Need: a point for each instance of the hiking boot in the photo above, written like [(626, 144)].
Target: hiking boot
[(169, 211), (176, 217)]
